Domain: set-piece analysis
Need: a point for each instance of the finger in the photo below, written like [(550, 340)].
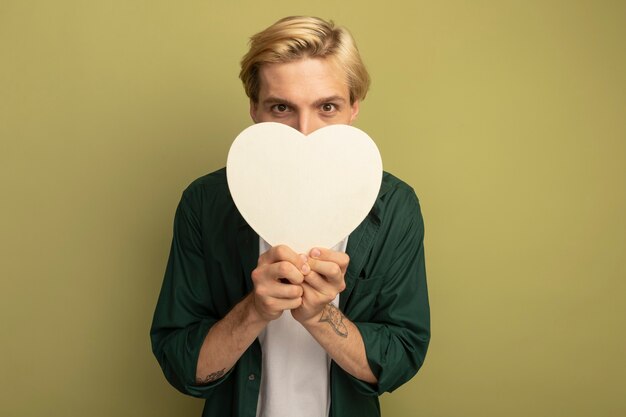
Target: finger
[(340, 258), (277, 273), (308, 294), (281, 291), (312, 298), (281, 253), (319, 284), (330, 270), (284, 270), (291, 303), (275, 306)]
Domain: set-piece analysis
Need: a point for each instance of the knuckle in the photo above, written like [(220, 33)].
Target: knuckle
[(280, 251), (283, 268), (256, 275), (269, 304), (297, 291), (335, 270), (296, 303), (260, 291)]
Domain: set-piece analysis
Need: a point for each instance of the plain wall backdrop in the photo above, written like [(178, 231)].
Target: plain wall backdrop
[(507, 117)]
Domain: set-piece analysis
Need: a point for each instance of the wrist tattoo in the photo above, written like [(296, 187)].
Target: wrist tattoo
[(334, 317), (211, 377)]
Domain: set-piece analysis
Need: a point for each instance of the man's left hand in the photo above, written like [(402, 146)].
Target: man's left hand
[(322, 284)]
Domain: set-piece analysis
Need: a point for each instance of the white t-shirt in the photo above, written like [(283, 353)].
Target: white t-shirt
[(295, 377)]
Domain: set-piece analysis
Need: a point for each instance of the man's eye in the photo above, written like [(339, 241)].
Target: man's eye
[(280, 108), (328, 107)]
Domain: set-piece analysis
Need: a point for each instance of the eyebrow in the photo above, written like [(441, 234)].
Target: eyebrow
[(319, 102), (328, 100), (278, 100)]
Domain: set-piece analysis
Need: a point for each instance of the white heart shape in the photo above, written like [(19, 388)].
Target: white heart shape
[(303, 191)]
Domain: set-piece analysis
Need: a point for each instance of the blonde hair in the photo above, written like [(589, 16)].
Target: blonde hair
[(297, 37)]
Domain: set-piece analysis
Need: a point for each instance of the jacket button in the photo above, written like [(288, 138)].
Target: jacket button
[(251, 377)]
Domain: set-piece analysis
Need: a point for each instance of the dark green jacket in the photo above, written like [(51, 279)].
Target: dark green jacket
[(212, 255)]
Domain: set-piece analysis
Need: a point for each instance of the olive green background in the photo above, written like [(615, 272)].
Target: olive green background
[(507, 117)]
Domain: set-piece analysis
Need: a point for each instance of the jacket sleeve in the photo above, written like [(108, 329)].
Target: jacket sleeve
[(396, 337), (182, 318)]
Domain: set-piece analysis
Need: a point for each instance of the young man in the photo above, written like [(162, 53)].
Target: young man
[(265, 331)]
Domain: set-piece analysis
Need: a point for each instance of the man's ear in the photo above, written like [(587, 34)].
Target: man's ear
[(253, 110), (354, 109)]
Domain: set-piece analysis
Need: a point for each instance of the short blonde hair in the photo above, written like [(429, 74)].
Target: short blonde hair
[(297, 37)]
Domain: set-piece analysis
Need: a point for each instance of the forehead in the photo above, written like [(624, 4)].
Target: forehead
[(303, 78)]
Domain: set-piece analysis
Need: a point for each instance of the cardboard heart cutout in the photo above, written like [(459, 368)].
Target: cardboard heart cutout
[(303, 191)]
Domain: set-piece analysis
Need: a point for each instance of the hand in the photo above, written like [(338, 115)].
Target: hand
[(322, 284), (277, 281)]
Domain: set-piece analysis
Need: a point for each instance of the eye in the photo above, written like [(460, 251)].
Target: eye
[(280, 108), (328, 107)]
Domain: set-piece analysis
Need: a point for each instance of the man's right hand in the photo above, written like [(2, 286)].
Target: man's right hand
[(278, 281)]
